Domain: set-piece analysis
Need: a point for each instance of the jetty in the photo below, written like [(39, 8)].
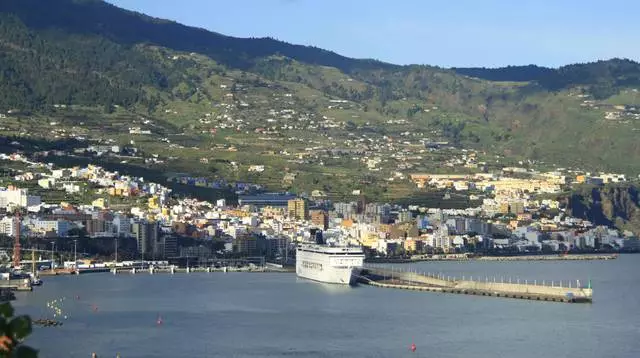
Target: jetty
[(555, 291), (175, 269), (550, 257), (18, 284), (473, 257)]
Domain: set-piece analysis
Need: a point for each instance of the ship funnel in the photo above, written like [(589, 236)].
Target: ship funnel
[(316, 235)]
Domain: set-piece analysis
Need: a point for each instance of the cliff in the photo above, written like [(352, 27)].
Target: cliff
[(614, 205)]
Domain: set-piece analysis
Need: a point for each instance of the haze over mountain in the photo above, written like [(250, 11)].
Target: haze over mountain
[(93, 54)]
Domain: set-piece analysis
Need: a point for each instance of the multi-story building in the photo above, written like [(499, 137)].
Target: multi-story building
[(297, 208), (320, 218), (146, 235), (245, 245), (165, 247), (405, 216), (271, 246), (344, 210), (12, 197), (47, 227), (121, 226), (7, 226)]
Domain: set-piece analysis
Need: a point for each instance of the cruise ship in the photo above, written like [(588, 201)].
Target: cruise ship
[(330, 263)]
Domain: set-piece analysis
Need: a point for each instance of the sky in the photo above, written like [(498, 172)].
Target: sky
[(446, 33)]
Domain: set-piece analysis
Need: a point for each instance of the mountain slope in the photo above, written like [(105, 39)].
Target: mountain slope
[(95, 17), (114, 69)]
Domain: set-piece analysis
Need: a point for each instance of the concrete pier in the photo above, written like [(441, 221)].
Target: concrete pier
[(550, 258), (389, 278), (22, 284), (174, 270)]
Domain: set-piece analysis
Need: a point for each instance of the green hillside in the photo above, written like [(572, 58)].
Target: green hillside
[(216, 105)]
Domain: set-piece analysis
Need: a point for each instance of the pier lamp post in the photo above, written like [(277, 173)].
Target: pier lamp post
[(75, 254), (53, 245)]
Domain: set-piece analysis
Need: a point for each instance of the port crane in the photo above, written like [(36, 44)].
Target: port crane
[(16, 235)]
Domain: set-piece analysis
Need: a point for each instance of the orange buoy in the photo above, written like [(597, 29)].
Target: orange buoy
[(413, 347)]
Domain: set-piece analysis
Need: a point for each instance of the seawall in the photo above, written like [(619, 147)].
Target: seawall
[(436, 283)]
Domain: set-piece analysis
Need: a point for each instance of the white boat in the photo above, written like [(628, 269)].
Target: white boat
[(35, 280), (329, 263)]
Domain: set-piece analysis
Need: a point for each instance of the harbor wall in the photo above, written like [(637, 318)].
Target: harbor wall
[(526, 289), (521, 290)]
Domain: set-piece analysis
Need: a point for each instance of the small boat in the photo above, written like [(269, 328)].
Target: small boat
[(35, 280), (45, 322)]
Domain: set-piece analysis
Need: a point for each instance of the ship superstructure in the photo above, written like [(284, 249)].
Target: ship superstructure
[(329, 262)]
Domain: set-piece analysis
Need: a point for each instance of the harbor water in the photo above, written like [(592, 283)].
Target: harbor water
[(279, 315)]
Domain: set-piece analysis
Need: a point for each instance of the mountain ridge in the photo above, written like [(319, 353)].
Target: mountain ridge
[(184, 38)]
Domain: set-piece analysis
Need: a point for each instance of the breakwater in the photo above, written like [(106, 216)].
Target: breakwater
[(549, 258), (467, 257), (556, 291)]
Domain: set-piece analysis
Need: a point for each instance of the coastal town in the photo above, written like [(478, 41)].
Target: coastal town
[(153, 223)]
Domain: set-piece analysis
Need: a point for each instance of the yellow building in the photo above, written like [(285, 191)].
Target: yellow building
[(99, 203), (370, 240), (412, 245), (272, 212), (153, 202), (236, 213), (297, 208), (386, 228)]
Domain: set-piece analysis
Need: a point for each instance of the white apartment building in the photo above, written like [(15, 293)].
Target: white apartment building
[(60, 227), (7, 226)]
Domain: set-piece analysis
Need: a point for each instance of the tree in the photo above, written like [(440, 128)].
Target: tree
[(13, 331)]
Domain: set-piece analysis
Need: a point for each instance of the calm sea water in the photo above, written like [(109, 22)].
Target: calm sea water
[(278, 315)]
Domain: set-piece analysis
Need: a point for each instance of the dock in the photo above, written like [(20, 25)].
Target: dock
[(470, 257), (174, 270), (520, 289), (21, 284), (550, 258)]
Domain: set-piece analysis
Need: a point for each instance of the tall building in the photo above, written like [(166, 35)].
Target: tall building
[(320, 218), (361, 205), (297, 208), (344, 210), (146, 235), (121, 226), (405, 216), (516, 207), (166, 247), (7, 226)]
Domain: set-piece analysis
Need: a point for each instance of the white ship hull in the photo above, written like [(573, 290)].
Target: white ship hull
[(329, 264)]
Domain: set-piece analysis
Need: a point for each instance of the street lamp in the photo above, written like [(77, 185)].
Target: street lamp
[(75, 255), (53, 244)]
